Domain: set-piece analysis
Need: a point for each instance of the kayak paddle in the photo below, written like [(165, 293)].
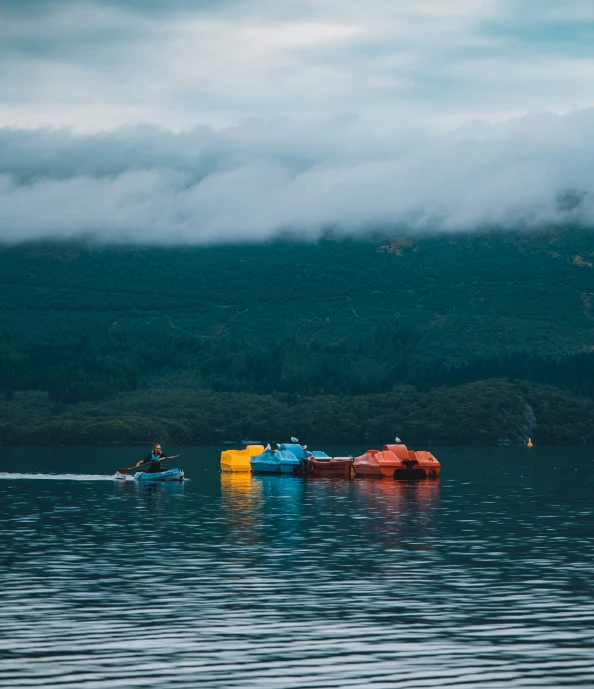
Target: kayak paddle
[(137, 466)]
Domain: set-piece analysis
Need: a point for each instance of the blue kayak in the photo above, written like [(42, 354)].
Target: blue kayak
[(170, 475)]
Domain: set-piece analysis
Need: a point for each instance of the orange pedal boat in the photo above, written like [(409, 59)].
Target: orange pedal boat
[(398, 462)]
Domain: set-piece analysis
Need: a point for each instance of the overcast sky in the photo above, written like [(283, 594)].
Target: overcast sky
[(180, 120)]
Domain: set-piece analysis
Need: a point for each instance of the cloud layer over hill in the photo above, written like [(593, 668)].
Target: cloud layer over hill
[(254, 180)]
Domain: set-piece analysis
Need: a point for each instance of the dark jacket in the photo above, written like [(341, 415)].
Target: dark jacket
[(149, 457), (153, 466)]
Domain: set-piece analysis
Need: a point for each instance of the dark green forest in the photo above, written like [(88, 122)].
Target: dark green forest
[(448, 338)]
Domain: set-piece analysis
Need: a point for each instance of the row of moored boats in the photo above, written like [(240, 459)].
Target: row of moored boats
[(394, 461)]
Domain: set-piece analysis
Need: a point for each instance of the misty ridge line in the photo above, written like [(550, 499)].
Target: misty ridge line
[(260, 179)]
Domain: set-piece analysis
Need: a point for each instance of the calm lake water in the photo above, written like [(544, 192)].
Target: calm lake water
[(484, 579)]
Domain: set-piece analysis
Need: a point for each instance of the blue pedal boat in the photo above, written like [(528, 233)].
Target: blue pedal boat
[(287, 459)]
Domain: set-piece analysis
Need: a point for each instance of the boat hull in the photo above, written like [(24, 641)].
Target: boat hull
[(274, 468), (159, 476), (333, 467), (366, 469)]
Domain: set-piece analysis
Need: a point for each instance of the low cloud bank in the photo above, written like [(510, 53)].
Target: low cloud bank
[(254, 181)]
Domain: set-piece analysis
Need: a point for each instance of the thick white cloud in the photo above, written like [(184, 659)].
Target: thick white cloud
[(253, 181)]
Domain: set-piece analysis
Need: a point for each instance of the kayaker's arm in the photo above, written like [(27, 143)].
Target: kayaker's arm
[(149, 458), (146, 460)]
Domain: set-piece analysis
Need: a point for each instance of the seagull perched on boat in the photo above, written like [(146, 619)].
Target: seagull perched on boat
[(397, 440), (294, 440)]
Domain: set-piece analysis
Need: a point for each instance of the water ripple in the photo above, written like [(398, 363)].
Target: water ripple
[(481, 580)]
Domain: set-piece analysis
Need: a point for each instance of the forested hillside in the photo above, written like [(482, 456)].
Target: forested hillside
[(81, 325)]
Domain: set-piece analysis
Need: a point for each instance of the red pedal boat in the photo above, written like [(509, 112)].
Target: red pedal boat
[(398, 462), (320, 464)]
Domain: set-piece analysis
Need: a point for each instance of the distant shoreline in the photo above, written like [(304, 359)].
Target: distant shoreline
[(484, 413), (411, 444)]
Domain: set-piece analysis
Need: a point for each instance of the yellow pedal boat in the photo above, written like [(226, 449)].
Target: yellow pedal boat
[(239, 460)]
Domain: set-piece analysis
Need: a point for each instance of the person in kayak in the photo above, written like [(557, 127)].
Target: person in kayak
[(153, 459)]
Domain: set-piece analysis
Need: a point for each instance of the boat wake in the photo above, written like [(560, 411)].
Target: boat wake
[(57, 477)]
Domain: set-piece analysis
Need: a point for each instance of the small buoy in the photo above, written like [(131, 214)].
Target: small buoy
[(529, 443)]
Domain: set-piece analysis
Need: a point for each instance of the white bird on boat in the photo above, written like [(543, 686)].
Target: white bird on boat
[(397, 440)]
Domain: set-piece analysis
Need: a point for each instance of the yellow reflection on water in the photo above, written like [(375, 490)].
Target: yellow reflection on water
[(242, 499)]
